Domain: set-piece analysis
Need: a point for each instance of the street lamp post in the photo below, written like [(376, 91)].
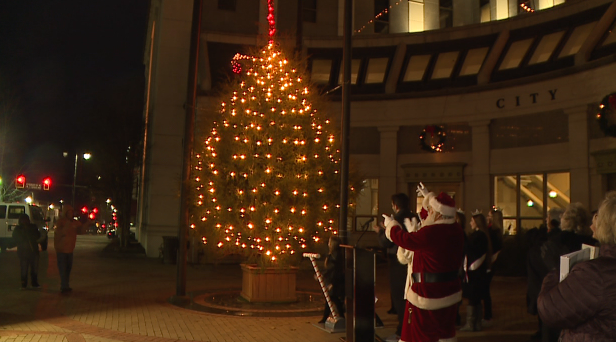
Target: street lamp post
[(86, 156)]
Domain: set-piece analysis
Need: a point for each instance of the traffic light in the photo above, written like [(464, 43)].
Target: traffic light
[(46, 183), (84, 210), (92, 216), (20, 182), (95, 210)]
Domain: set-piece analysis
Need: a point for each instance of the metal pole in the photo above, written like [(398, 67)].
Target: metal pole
[(74, 180), (346, 117), (189, 130)]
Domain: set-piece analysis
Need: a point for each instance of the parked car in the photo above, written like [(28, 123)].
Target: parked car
[(9, 217)]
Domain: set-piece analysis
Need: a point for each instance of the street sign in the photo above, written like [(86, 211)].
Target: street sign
[(34, 186)]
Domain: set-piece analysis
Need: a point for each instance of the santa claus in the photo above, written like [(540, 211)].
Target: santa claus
[(434, 288)]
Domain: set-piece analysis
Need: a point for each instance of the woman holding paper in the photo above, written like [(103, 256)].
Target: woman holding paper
[(584, 303)]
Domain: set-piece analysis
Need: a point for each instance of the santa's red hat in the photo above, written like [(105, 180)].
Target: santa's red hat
[(444, 204)]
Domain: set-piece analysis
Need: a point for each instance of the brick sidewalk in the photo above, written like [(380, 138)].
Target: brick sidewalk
[(124, 299)]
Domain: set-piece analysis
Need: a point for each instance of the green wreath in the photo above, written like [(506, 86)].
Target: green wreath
[(607, 115), (433, 138)]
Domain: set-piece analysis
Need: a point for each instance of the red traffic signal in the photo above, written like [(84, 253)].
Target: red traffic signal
[(95, 210), (84, 210), (92, 216), (46, 183), (20, 181)]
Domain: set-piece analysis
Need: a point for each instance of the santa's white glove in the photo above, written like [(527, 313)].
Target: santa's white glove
[(421, 190), (389, 222)]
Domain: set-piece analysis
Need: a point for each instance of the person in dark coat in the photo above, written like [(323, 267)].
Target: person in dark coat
[(400, 204), (575, 231), (583, 305), (495, 230), (535, 267), (26, 236), (478, 258), (333, 277)]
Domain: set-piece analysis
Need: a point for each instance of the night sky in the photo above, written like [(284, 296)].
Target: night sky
[(69, 68)]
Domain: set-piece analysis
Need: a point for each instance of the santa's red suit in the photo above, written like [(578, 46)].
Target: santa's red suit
[(435, 288)]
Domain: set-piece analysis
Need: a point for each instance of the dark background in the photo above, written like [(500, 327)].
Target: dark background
[(72, 72)]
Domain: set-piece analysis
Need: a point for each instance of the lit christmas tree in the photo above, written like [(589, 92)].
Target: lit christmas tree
[(268, 177)]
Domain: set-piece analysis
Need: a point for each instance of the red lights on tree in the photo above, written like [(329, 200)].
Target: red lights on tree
[(270, 20), (46, 183), (92, 216), (84, 210), (20, 182), (95, 210)]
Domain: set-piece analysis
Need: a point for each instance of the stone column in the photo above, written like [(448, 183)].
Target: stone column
[(399, 16), (478, 179), (416, 14), (388, 166), (578, 154), (160, 207), (432, 12), (500, 9), (466, 12), (543, 4)]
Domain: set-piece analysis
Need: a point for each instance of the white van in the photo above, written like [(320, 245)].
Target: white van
[(9, 217)]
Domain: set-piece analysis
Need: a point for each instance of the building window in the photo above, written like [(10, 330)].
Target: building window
[(473, 61), (367, 206), (576, 39), (376, 70), (321, 69), (309, 11), (416, 68), (526, 198), (444, 64), (515, 54), (381, 16), (227, 5), (546, 47), (446, 13), (354, 71)]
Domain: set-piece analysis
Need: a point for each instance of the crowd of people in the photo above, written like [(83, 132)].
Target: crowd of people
[(435, 263), (26, 236)]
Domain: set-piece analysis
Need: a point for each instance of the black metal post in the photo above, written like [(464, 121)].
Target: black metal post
[(189, 129), (345, 121)]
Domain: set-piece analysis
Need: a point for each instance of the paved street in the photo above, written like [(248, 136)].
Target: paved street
[(125, 299)]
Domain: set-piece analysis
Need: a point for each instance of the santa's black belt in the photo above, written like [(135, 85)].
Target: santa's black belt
[(434, 277)]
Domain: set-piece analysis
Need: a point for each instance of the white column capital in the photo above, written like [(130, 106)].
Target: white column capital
[(386, 129)]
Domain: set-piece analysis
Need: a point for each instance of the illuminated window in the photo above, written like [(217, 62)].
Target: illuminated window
[(515, 54), (376, 70), (473, 61), (321, 69), (577, 38), (523, 197), (444, 64), (354, 71), (227, 5), (546, 47), (416, 68)]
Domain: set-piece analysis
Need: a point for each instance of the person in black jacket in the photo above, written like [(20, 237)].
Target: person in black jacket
[(478, 258), (400, 204), (333, 277), (495, 230), (26, 236), (574, 231), (535, 268)]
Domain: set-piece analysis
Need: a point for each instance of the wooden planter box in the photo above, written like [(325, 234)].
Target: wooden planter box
[(271, 284)]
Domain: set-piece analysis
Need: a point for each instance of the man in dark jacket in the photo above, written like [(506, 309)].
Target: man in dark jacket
[(26, 236), (536, 269)]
